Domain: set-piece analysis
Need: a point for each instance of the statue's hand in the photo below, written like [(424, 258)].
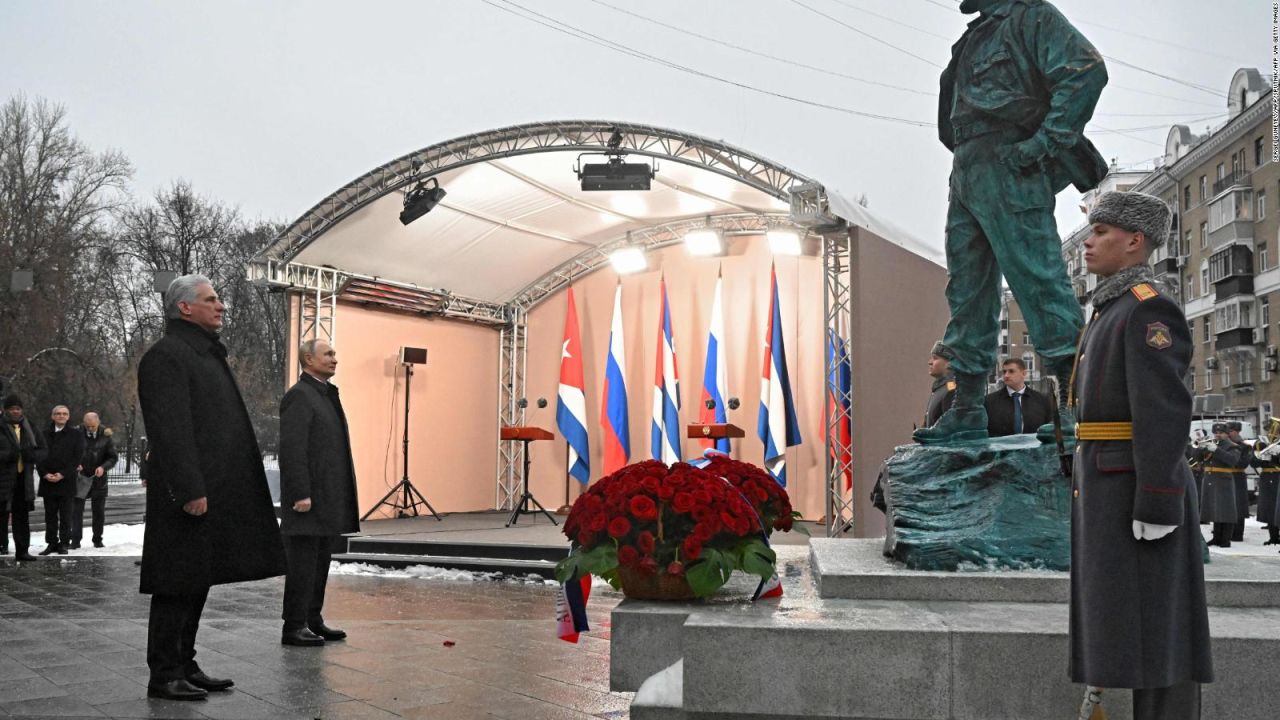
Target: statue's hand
[(1025, 156)]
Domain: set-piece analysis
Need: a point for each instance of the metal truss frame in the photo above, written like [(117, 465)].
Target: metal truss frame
[(512, 365), (568, 136)]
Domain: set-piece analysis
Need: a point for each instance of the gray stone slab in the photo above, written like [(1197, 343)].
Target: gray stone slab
[(857, 569)]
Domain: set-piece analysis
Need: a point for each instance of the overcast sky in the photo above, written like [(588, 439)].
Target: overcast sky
[(272, 105)]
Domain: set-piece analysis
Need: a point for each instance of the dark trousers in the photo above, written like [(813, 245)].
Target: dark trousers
[(304, 584), (99, 508), (1223, 532), (57, 520), (171, 635), (17, 507), (1177, 702)]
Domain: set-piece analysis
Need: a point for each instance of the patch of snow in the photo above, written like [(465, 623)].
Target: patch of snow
[(1255, 533), (664, 688), (430, 572), (120, 541)]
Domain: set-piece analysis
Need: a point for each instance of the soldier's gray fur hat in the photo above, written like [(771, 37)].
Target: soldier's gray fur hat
[(943, 351), (1234, 425), (1135, 212), (1220, 427)]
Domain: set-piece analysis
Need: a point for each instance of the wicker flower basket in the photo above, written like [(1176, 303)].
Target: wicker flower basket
[(659, 586)]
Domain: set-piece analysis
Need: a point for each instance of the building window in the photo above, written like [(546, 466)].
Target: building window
[(1206, 332), (1222, 169), (1258, 155), (1204, 235), (1208, 378), (1262, 256), (1192, 373), (1246, 371), (1260, 205), (1186, 243), (1204, 188), (1186, 196), (1026, 339), (1029, 359), (1226, 375), (1204, 276), (1235, 205)]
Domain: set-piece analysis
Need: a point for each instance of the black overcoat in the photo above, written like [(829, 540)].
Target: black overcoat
[(99, 452), (65, 448), (31, 451), (1268, 482), (941, 396), (1218, 487), (315, 462), (1242, 481), (201, 445), (1036, 411), (1138, 617)]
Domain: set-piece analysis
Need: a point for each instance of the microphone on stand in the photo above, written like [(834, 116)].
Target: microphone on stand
[(733, 403)]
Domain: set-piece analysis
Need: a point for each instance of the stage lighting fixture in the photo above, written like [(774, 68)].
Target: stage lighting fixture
[(628, 260), (615, 175), (420, 200), (704, 242), (784, 242)]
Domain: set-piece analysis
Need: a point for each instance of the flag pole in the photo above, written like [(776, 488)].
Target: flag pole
[(564, 509)]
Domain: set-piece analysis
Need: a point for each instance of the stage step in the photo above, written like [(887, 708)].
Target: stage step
[(507, 566), (505, 551), (806, 656)]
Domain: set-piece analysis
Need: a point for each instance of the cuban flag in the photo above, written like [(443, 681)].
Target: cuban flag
[(571, 402), (777, 426), (613, 418), (839, 394), (713, 376), (665, 432)]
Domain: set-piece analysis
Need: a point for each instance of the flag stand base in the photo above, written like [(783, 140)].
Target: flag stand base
[(562, 510)]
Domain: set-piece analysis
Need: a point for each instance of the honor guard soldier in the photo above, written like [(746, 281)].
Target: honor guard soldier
[(943, 391), (1138, 616), (1267, 463), (1218, 460), (1241, 479)]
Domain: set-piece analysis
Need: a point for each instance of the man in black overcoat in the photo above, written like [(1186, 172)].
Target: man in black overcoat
[(21, 450), (317, 491), (1138, 616), (58, 473), (1016, 408), (210, 519), (99, 457)]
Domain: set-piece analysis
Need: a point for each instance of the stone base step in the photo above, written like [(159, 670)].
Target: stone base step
[(507, 566)]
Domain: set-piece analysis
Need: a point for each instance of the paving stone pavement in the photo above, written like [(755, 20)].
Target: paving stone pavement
[(73, 639)]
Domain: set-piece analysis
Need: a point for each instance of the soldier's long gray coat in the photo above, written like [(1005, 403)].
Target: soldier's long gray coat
[(1218, 492), (941, 396), (1138, 612), (1242, 483), (1268, 482), (201, 445)]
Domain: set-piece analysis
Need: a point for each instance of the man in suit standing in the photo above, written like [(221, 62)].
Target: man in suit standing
[(99, 457), (1016, 408), (209, 515), (317, 492), (21, 450), (58, 473)]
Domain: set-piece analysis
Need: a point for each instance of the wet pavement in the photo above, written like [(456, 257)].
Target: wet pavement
[(73, 639)]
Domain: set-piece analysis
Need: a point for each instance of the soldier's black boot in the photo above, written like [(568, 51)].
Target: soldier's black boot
[(1237, 532), (965, 420), (1273, 533), (1060, 368)]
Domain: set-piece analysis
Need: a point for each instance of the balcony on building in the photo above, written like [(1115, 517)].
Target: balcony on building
[(1231, 217), (1231, 272), (1238, 177), (1165, 260), (1233, 324)]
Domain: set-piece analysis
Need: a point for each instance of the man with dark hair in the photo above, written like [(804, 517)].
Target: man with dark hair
[(21, 450), (58, 473), (1138, 616), (99, 457), (209, 515), (1015, 408), (317, 491), (944, 383)]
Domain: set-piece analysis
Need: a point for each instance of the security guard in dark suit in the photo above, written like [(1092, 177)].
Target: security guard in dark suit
[(1138, 615), (943, 391)]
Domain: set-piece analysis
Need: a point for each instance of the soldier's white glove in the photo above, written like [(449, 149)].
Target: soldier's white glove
[(1210, 445), (1269, 451), (1147, 531)]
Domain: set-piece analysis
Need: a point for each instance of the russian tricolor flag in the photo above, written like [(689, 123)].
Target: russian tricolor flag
[(839, 396), (571, 403), (664, 440), (571, 608), (777, 425), (714, 375), (613, 418)]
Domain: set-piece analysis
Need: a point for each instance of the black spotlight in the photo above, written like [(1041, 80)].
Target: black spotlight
[(420, 200), (615, 175)]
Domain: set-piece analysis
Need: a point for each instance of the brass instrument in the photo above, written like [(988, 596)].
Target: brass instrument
[(1272, 430)]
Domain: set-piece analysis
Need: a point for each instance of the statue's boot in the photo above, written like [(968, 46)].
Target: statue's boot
[(1060, 369), (965, 420)]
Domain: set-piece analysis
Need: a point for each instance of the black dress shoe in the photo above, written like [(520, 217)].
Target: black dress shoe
[(62, 550), (178, 689), (204, 682), (302, 637), (97, 543), (50, 549), (75, 544), (25, 557), (327, 632)]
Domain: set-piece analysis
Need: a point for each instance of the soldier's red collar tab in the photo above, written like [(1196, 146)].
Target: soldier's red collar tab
[(1143, 291)]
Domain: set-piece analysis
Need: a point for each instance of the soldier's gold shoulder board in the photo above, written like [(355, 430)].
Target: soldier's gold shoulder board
[(1143, 292), (951, 385)]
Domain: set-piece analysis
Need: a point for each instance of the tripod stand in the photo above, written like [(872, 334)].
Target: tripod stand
[(407, 504), (526, 435)]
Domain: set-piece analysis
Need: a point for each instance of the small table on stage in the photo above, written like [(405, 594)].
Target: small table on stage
[(526, 435), (714, 431)]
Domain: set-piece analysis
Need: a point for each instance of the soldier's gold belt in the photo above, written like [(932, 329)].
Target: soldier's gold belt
[(1104, 431), (1269, 470), (1225, 471)]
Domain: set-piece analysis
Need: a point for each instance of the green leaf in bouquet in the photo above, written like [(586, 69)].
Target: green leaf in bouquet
[(599, 560), (756, 558), (611, 577), (710, 572), (568, 567)]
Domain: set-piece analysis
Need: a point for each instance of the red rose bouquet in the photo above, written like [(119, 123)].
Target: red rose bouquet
[(766, 496), (649, 521)]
